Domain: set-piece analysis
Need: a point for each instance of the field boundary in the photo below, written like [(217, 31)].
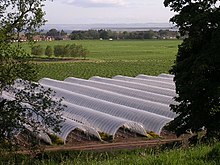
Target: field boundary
[(110, 146)]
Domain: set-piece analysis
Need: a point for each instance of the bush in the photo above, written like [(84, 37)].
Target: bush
[(59, 50), (56, 140), (70, 51), (49, 51), (37, 50), (67, 50)]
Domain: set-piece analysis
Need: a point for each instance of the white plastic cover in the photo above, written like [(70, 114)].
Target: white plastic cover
[(124, 90), (151, 121), (149, 106), (166, 75), (69, 125), (133, 85), (100, 121), (161, 84), (162, 79), (40, 135)]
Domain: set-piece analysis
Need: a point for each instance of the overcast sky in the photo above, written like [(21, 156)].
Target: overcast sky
[(106, 11)]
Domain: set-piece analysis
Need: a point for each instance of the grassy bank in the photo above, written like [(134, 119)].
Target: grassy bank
[(199, 155)]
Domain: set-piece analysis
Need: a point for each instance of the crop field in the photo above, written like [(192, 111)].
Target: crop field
[(110, 58)]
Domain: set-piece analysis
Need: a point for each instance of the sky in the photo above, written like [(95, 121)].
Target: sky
[(106, 11)]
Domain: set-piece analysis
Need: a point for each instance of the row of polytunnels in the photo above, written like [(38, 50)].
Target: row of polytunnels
[(103, 109)]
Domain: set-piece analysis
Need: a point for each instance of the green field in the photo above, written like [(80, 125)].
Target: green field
[(197, 155), (110, 58)]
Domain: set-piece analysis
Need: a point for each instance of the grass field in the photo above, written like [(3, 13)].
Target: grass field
[(110, 58), (198, 155)]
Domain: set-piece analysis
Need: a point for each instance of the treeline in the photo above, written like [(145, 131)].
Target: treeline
[(57, 35), (107, 34), (68, 50)]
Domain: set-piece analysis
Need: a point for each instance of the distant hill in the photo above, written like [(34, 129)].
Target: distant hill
[(114, 27)]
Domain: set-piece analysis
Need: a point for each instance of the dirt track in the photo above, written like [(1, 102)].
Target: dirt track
[(110, 146)]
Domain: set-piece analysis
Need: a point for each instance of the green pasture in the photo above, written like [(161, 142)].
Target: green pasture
[(110, 58)]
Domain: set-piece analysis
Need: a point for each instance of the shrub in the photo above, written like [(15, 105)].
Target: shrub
[(67, 50), (59, 50), (70, 51), (56, 140), (37, 50), (49, 51)]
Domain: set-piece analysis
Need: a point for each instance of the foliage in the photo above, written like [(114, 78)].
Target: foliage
[(28, 106), (106, 137), (59, 50), (214, 154), (37, 50), (56, 140), (197, 68), (152, 135), (56, 34), (14, 64), (106, 34), (20, 16), (49, 51), (68, 50), (148, 156), (53, 32)]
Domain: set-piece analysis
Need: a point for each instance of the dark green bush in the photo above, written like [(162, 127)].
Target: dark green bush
[(70, 51), (59, 50), (37, 50), (49, 51)]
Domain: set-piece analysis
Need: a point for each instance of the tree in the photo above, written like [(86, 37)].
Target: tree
[(59, 51), (49, 51), (38, 50), (63, 33), (53, 33), (23, 104), (197, 66), (103, 34)]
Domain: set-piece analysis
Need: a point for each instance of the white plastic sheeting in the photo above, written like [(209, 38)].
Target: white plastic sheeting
[(102, 122), (40, 135), (69, 125), (133, 85), (166, 75), (150, 121), (151, 81), (162, 79), (123, 90), (66, 127), (105, 105), (149, 106)]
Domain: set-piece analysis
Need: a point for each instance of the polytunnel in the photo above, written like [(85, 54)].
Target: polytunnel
[(166, 75), (160, 84), (69, 125), (138, 86), (124, 90), (150, 121), (101, 121), (40, 135), (149, 106), (162, 79), (66, 127)]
